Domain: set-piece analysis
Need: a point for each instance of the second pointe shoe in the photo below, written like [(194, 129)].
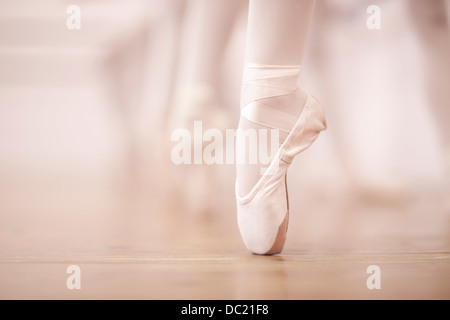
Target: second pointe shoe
[(263, 214)]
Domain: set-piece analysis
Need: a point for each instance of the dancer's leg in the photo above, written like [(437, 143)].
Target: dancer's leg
[(277, 32), (272, 100), (433, 29), (206, 32)]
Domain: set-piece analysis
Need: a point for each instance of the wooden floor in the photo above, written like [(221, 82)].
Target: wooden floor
[(78, 185), (145, 247)]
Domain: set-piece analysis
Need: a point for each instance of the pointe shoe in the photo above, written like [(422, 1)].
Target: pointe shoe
[(263, 214)]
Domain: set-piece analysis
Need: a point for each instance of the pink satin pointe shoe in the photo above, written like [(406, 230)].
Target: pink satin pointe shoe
[(263, 214)]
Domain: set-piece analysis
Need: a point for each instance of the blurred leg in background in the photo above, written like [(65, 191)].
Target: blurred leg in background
[(206, 34), (432, 22)]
